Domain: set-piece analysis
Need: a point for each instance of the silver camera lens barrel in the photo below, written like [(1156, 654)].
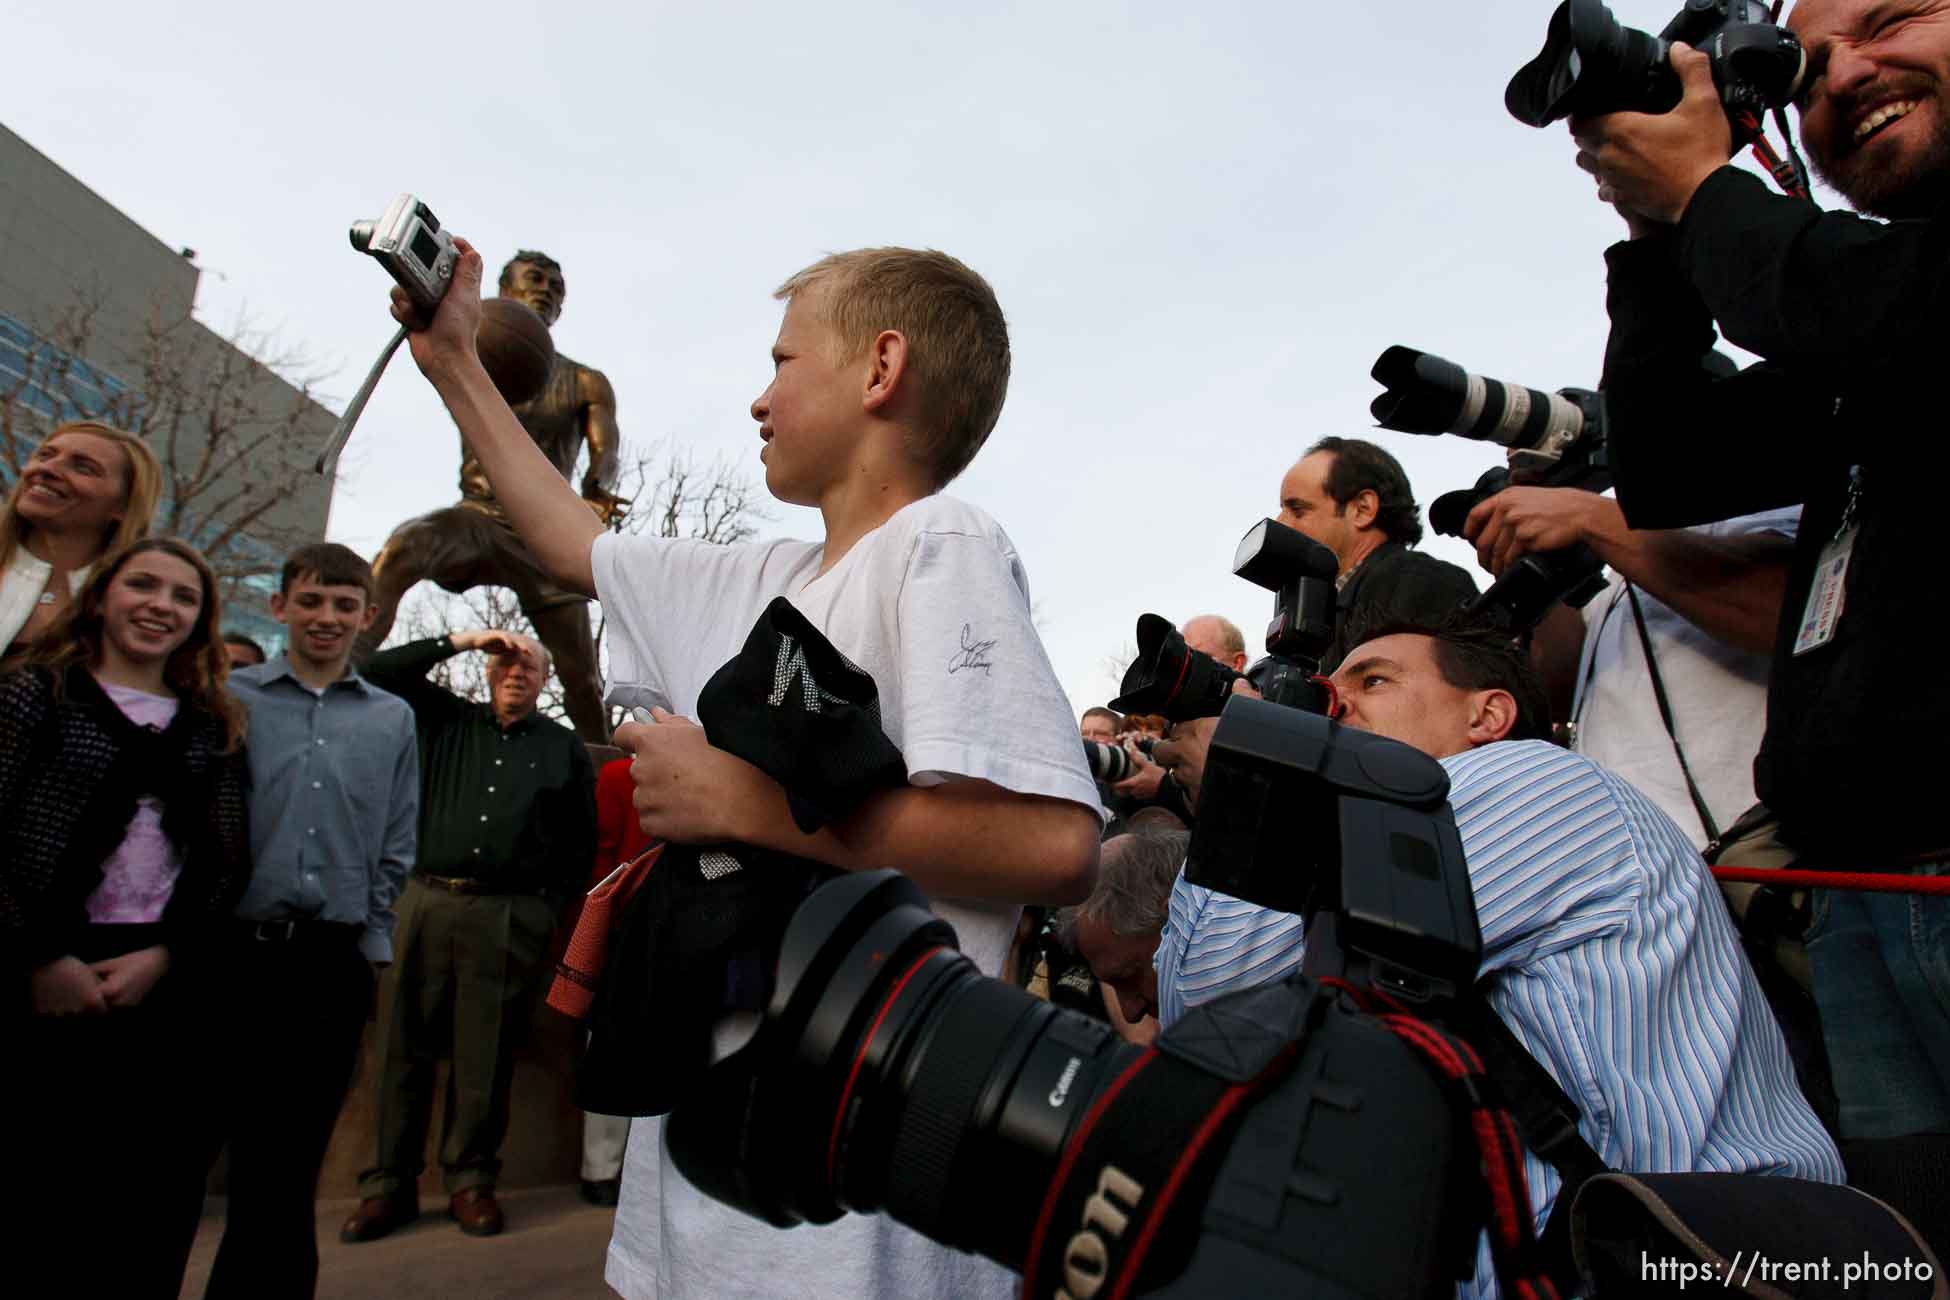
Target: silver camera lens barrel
[(1516, 416), (1428, 394), (361, 234)]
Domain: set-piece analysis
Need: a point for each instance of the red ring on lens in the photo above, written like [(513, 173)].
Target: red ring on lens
[(866, 1041), (1334, 706)]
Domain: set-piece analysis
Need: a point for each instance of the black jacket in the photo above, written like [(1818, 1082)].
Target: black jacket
[(71, 770), (1849, 314), (1394, 581)]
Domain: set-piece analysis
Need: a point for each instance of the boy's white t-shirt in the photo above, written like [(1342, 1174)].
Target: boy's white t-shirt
[(934, 605)]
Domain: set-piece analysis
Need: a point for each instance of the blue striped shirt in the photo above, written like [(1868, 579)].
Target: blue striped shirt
[(1615, 962)]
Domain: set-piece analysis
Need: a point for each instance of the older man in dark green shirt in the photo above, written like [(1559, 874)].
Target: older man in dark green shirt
[(507, 832)]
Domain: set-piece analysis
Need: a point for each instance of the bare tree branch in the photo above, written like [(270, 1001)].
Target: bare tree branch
[(1111, 668), (232, 439), (673, 497)]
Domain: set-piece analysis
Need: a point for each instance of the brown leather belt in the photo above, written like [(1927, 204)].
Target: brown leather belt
[(462, 885)]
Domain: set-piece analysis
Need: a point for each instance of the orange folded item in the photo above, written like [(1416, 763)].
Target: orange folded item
[(581, 967)]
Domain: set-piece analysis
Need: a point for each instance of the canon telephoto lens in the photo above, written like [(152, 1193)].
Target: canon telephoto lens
[(1426, 394), (890, 1075), (1108, 763)]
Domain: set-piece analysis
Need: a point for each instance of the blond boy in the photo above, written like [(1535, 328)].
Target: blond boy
[(888, 373)]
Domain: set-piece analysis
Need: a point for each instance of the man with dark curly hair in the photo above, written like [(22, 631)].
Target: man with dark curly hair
[(1353, 498)]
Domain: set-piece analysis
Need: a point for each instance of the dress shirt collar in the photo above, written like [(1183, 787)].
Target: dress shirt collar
[(526, 722), (273, 669)]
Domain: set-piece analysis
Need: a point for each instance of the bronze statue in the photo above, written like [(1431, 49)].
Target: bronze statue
[(472, 544)]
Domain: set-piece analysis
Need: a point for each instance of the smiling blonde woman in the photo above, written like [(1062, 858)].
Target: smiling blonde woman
[(88, 489)]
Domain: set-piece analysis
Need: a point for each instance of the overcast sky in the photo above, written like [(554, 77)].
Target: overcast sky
[(1204, 223)]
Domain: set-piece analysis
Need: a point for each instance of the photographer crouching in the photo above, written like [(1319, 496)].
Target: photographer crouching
[(1848, 316), (1605, 947)]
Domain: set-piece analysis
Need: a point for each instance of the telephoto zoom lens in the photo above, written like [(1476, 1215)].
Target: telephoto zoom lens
[(1426, 394), (890, 1075), (1108, 763)]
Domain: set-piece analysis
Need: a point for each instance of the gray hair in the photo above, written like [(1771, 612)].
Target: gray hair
[(1134, 880)]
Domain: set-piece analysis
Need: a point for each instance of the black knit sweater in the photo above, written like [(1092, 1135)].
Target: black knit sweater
[(72, 769)]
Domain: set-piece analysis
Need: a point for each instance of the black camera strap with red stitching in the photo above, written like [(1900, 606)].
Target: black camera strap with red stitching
[(1108, 1211), (1545, 1117), (1117, 1182)]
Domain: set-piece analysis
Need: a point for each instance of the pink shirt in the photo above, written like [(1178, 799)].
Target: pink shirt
[(139, 875)]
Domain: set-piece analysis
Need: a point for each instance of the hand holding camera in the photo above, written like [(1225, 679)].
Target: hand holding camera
[(1183, 755), (1520, 521), (1651, 163), (1147, 776), (688, 791), (442, 338), (423, 260)]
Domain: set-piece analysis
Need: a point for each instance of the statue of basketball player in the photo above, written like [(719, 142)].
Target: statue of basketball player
[(471, 544)]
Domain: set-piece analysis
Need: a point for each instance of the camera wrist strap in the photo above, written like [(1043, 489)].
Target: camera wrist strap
[(1706, 821)]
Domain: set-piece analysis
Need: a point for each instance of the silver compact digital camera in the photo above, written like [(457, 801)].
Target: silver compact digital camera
[(411, 246)]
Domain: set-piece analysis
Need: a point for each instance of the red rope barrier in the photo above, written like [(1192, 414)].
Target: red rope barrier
[(1872, 882)]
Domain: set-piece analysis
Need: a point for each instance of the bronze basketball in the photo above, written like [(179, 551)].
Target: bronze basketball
[(515, 348)]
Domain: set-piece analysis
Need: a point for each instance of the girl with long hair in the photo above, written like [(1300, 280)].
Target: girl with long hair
[(123, 851), (88, 489)]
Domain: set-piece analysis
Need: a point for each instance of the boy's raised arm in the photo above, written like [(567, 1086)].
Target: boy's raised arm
[(556, 523)]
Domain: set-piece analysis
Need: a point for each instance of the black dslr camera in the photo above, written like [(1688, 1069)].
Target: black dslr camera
[(1170, 678), (1278, 1141), (1551, 440), (1591, 65)]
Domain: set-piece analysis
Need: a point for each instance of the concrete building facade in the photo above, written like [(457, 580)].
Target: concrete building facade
[(95, 313)]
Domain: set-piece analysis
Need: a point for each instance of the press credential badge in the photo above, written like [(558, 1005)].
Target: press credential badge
[(1824, 608)]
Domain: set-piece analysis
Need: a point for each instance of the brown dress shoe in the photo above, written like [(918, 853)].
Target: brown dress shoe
[(379, 1215), (476, 1212)]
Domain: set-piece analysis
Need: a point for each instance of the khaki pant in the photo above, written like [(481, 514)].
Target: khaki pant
[(467, 969)]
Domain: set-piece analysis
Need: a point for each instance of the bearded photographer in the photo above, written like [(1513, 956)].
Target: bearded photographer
[(1840, 416), (1606, 949)]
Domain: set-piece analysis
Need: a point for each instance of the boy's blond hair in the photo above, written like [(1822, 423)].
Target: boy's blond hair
[(957, 340)]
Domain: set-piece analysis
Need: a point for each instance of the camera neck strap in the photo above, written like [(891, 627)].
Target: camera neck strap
[(1630, 593), (1706, 821)]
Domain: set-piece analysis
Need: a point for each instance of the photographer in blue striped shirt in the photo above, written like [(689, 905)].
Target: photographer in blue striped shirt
[(1606, 946)]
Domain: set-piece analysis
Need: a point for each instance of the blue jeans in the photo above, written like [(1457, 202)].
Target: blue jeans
[(1882, 980)]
